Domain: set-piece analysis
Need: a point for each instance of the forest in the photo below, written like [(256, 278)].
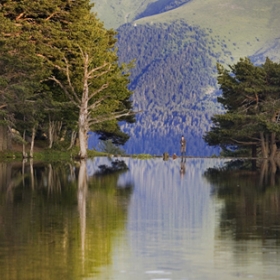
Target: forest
[(251, 122), (175, 86), (64, 75), (175, 46), (59, 76)]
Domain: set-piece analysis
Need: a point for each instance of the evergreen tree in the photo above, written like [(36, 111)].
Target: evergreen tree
[(72, 55), (250, 95)]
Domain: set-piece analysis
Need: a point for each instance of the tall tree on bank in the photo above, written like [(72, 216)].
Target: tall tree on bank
[(79, 53), (20, 75), (251, 97)]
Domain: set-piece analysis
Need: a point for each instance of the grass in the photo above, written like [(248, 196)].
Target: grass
[(43, 153), (58, 153), (244, 26), (142, 156), (115, 13)]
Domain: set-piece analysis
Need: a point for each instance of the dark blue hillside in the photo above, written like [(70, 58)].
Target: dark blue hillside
[(174, 85), (161, 6)]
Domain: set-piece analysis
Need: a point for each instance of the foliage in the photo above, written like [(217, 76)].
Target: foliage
[(109, 147), (246, 187), (116, 167), (56, 215), (250, 95), (174, 86), (175, 54), (66, 71)]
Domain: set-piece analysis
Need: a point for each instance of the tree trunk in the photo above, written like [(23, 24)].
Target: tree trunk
[(263, 146), (83, 114), (272, 172), (51, 133), (4, 136), (254, 151), (24, 154), (54, 130), (73, 138), (263, 173), (83, 129), (83, 138), (32, 142), (267, 141), (273, 147)]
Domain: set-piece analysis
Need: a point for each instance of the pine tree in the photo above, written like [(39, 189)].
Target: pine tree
[(69, 55), (250, 95)]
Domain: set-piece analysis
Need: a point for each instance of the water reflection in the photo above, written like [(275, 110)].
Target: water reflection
[(218, 219), (174, 228), (183, 166), (250, 191), (45, 229), (169, 223)]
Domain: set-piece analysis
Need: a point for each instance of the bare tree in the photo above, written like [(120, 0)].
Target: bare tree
[(89, 99)]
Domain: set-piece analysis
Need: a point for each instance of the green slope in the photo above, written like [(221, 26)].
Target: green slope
[(245, 25), (117, 12), (175, 52)]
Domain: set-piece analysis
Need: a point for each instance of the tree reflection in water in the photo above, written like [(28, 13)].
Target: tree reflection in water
[(56, 222), (251, 194)]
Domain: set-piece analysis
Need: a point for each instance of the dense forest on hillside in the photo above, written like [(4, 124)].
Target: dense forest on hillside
[(174, 85), (176, 45), (67, 80)]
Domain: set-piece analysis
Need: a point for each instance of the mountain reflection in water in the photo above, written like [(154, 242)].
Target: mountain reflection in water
[(196, 219)]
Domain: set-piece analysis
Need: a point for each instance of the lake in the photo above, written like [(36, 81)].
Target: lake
[(159, 220)]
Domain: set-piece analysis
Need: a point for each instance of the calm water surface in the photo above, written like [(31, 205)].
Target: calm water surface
[(160, 220)]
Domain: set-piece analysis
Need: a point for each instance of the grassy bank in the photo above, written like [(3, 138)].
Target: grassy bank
[(58, 153), (47, 155), (43, 153)]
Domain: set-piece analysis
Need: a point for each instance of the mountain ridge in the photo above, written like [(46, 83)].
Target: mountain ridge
[(174, 79)]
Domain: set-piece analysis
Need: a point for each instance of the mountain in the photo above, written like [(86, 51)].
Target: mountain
[(176, 45)]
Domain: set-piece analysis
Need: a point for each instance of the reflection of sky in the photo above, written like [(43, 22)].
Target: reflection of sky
[(172, 226)]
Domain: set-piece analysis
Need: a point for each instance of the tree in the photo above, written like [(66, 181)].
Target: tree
[(94, 93), (251, 98), (110, 148), (79, 58)]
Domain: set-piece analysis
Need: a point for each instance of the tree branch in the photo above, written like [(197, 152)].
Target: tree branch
[(104, 86), (114, 117), (97, 103), (51, 15), (20, 16), (53, 78), (98, 68), (69, 81), (243, 143)]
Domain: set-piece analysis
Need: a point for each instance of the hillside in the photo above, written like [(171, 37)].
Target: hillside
[(176, 44), (118, 12), (245, 26), (173, 83)]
